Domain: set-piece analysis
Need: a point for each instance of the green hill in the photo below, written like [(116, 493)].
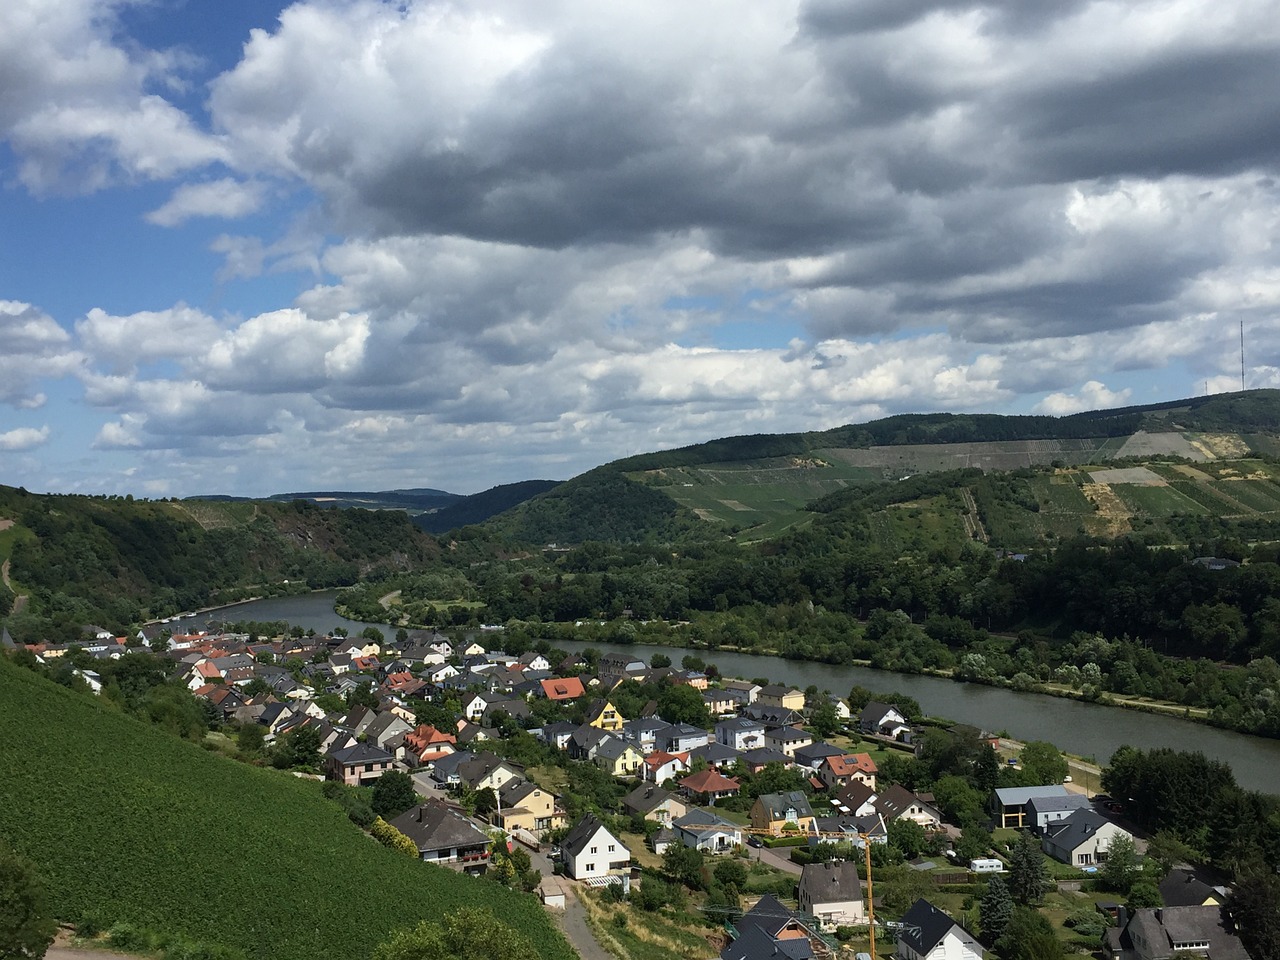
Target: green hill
[(115, 561), (130, 824), (479, 507)]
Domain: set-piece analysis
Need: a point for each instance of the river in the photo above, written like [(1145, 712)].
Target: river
[(1086, 729)]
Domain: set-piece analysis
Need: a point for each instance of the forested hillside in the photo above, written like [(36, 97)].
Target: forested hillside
[(481, 506), (114, 562)]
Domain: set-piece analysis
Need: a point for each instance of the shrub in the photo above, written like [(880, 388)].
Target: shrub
[(389, 836), (127, 937)]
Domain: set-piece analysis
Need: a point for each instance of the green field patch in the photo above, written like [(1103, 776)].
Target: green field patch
[(1156, 501), (130, 824), (1260, 495), (1204, 494)]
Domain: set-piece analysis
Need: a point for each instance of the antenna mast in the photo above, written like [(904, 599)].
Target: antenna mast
[(1242, 354)]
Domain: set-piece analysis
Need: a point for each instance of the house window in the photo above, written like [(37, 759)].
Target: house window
[(595, 849), (368, 768), (612, 848)]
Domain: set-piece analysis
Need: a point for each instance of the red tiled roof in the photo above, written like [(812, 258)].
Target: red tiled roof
[(567, 688), (709, 781)]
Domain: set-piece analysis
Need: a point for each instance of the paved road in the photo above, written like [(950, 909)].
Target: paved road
[(573, 924), (779, 858)]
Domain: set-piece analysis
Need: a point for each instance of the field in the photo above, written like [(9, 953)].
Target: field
[(130, 824), (758, 499)]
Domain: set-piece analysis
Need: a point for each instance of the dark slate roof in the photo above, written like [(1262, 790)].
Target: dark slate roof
[(714, 753), (831, 881), (646, 798), (436, 826), (1162, 927), (1075, 829), (575, 840), (763, 755), (788, 734), (1182, 888), (932, 926), (814, 753), (362, 753), (777, 804), (753, 943), (1073, 801)]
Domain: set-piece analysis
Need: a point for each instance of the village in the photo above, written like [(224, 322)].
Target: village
[(786, 781)]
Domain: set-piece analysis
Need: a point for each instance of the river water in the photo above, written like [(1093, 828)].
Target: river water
[(1087, 729)]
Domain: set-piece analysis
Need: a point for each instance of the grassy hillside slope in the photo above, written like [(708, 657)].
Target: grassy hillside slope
[(133, 825)]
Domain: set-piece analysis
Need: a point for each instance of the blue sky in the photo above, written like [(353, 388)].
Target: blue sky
[(343, 243)]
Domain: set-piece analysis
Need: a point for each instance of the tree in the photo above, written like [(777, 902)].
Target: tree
[(680, 703), (684, 865), (731, 873), (393, 794), (468, 933), (1122, 867), (995, 910), (249, 739), (986, 771), (1144, 893), (824, 721), (1028, 872), (26, 925), (486, 802), (300, 747), (1029, 936), (1254, 905), (1042, 763), (907, 837), (659, 660)]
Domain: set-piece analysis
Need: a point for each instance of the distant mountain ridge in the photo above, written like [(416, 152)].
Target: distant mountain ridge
[(415, 499), (481, 506)]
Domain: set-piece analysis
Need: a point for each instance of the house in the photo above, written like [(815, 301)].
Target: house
[(645, 732), (585, 742), (927, 933), (533, 661), (558, 734), (840, 771), (884, 720), (651, 802), (1182, 888), (769, 931), (708, 832), (709, 786), (773, 716), (615, 667), (856, 800), (526, 806), (617, 757), (474, 705), (832, 893), (719, 703), (899, 803), (1009, 804), (660, 766), (444, 836), (359, 765), (591, 852), (715, 755), (1082, 839), (1042, 811), (683, 737), (562, 688), (759, 758), (812, 754), (603, 715), (487, 771), (777, 812), (786, 740), (425, 744), (781, 696), (386, 728), (689, 678), (1156, 933), (746, 691)]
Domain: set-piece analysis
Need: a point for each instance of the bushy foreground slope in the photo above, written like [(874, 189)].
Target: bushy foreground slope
[(133, 825)]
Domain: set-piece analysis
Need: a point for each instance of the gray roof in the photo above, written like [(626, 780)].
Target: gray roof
[(1074, 830), (436, 826), (777, 804), (577, 838), (1182, 888), (1017, 796), (362, 753), (646, 798), (829, 882), (1056, 804), (1162, 927)]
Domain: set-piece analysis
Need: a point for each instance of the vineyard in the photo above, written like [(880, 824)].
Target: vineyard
[(129, 824)]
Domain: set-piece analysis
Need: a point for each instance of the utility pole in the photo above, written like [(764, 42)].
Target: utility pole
[(871, 905)]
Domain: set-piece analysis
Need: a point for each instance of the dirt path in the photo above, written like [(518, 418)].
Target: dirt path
[(574, 926), (20, 600)]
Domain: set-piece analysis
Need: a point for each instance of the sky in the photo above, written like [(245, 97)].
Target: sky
[(248, 248)]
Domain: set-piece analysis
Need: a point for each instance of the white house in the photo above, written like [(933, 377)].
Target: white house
[(929, 934), (591, 852), (832, 892), (1082, 839)]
